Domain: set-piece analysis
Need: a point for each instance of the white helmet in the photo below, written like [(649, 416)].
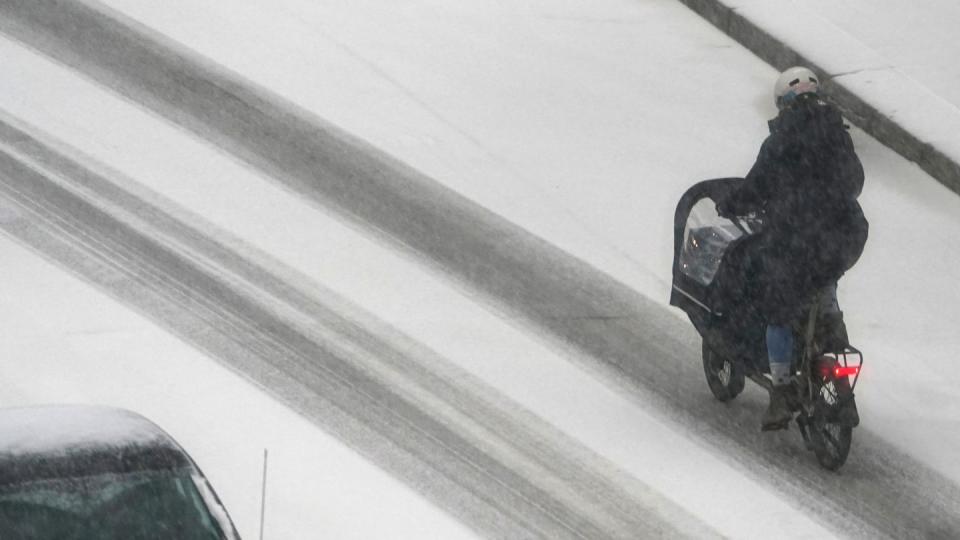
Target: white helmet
[(793, 82)]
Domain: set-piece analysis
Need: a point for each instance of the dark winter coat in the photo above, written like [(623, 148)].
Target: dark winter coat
[(807, 176), (805, 183)]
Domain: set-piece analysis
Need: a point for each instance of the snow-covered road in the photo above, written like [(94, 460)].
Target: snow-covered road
[(567, 387)]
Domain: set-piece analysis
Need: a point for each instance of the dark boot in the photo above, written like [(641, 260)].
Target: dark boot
[(778, 413)]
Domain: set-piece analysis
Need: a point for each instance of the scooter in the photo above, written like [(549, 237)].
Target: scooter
[(713, 285)]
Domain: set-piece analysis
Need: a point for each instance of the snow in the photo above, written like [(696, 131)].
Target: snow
[(895, 55), (408, 298), (523, 129), (65, 342), (583, 124), (38, 430), (595, 162), (920, 43)]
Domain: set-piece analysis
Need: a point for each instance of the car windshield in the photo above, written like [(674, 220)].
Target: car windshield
[(150, 504)]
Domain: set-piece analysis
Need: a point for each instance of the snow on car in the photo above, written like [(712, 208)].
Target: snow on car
[(81, 471)]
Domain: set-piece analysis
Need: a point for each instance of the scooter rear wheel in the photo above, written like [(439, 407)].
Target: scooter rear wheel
[(725, 377), (831, 436)]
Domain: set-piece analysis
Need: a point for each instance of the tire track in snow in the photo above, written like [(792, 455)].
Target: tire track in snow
[(881, 491), (484, 459)]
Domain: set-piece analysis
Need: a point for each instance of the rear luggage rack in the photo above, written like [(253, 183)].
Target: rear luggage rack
[(846, 362)]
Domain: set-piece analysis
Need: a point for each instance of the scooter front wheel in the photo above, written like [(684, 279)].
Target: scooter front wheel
[(725, 377)]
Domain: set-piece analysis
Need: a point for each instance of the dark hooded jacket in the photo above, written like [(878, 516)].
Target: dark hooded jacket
[(807, 177), (805, 184)]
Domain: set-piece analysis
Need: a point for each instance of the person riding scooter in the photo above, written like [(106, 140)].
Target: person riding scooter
[(805, 183)]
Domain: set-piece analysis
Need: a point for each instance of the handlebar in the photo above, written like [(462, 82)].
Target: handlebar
[(736, 220)]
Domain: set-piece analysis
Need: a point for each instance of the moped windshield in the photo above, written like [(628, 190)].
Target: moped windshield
[(706, 236)]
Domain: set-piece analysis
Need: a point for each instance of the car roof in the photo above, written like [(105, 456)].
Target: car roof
[(58, 441)]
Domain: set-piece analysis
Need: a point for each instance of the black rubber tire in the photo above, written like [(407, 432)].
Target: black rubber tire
[(830, 436), (724, 377)]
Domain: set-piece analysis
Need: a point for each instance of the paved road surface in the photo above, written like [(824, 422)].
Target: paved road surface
[(881, 491)]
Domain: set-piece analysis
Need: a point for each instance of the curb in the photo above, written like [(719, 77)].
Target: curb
[(778, 54)]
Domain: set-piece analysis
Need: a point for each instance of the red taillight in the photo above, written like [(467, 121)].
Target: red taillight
[(843, 371)]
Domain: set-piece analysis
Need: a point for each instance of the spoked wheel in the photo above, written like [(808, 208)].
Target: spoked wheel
[(830, 435), (725, 377)]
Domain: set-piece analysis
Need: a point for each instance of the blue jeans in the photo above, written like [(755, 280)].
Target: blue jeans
[(780, 339)]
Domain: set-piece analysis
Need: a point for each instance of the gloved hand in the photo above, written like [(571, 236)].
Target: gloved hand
[(726, 208)]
